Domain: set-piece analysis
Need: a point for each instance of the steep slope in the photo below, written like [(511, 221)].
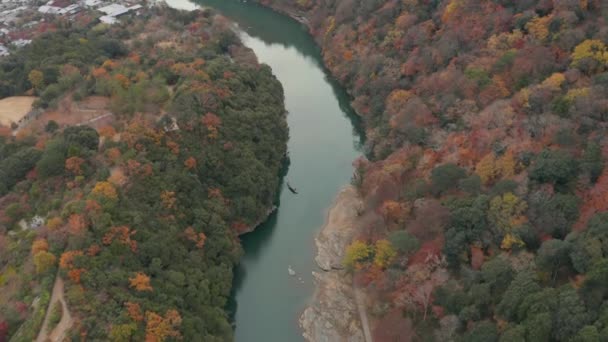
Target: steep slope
[(486, 135), (140, 214)]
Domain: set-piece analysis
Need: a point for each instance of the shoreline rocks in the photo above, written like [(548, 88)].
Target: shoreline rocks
[(263, 219), (332, 315)]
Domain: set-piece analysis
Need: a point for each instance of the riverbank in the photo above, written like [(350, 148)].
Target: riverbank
[(337, 309), (333, 313), (320, 165)]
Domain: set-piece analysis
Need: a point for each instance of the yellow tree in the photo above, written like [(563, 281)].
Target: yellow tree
[(539, 27), (486, 168), (122, 332), (36, 78), (507, 211), (506, 165), (44, 261), (511, 240), (54, 223), (590, 49), (105, 189), (384, 253), (168, 199), (356, 253), (555, 81)]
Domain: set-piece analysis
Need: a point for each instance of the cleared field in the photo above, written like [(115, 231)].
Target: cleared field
[(12, 109), (92, 111)]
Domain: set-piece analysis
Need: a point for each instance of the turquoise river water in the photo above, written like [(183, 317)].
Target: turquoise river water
[(324, 141)]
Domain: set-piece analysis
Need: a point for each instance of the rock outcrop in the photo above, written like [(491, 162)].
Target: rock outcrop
[(332, 315)]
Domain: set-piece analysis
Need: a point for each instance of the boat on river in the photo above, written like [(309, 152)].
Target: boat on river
[(292, 189)]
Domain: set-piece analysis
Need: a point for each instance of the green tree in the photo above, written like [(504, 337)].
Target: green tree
[(524, 284), (16, 166), (53, 159), (122, 332), (570, 315), (471, 184), (588, 333), (555, 214), (403, 241), (51, 126), (538, 302), (498, 273), (585, 251), (538, 327), (446, 177), (468, 224), (515, 333), (82, 137), (552, 255), (484, 331), (592, 161), (553, 166), (594, 288)]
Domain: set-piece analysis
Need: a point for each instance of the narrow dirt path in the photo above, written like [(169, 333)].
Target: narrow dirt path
[(362, 314), (95, 119), (60, 332)]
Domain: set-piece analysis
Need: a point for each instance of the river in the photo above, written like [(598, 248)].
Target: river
[(324, 141)]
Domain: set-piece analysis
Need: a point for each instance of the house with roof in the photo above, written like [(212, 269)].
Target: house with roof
[(113, 11)]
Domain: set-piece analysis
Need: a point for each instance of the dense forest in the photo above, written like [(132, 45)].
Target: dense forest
[(485, 179), (139, 212)]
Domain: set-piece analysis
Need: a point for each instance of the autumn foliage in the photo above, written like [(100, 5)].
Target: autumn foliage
[(140, 282), (198, 239), (122, 235), (159, 328), (485, 129), (105, 189), (67, 258), (131, 171)]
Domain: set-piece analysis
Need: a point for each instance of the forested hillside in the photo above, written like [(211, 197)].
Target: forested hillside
[(485, 188), (139, 213)]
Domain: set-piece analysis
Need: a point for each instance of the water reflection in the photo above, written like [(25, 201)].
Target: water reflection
[(272, 28)]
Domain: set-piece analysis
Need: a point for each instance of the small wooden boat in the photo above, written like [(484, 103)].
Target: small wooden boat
[(292, 189)]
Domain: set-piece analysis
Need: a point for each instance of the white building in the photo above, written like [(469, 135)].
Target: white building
[(93, 3), (46, 9), (70, 9), (113, 9), (21, 42), (3, 51), (108, 19)]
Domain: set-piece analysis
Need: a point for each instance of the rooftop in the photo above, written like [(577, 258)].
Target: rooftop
[(113, 8)]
